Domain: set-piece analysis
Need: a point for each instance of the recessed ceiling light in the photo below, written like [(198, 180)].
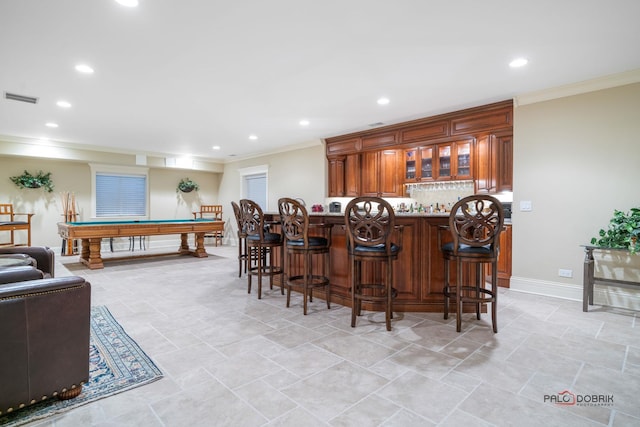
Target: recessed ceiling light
[(253, 137), (304, 122), (63, 104), (383, 101), (128, 3), (84, 69), (51, 125), (215, 147), (518, 62)]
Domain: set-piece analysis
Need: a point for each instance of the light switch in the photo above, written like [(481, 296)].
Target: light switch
[(525, 206)]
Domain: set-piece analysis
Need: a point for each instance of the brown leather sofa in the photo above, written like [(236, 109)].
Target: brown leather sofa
[(44, 332), (43, 256)]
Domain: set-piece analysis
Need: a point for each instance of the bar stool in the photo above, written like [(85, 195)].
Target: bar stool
[(243, 255), (475, 223), (295, 227), (369, 222), (264, 243)]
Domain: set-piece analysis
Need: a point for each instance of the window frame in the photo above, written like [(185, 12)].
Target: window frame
[(103, 169), (251, 171)]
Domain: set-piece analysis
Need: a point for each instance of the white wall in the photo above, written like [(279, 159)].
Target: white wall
[(298, 173), (576, 159)]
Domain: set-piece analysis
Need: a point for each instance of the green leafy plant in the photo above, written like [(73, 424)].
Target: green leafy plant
[(186, 185), (622, 233), (40, 179)]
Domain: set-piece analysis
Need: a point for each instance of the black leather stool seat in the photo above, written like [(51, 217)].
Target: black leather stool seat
[(268, 238), (313, 241), (467, 250), (377, 249)]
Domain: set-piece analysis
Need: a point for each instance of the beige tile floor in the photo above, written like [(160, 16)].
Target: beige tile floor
[(230, 359)]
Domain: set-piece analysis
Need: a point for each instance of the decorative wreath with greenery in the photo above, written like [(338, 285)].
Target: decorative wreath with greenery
[(40, 179), (186, 185), (622, 233)]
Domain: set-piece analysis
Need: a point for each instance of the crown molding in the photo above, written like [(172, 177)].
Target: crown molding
[(605, 82)]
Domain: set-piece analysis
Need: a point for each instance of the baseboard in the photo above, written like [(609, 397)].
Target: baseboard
[(602, 295)]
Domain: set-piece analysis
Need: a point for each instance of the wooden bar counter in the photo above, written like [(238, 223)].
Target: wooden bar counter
[(418, 272)]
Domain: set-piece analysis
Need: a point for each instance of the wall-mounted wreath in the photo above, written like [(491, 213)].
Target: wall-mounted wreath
[(40, 179), (187, 186)]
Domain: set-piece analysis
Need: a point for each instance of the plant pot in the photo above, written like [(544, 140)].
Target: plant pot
[(187, 189)]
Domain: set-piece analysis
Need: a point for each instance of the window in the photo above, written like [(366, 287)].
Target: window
[(254, 185), (119, 192)]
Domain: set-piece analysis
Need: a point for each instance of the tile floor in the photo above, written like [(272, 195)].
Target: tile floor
[(230, 359)]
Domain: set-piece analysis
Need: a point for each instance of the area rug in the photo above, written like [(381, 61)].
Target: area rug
[(116, 364)]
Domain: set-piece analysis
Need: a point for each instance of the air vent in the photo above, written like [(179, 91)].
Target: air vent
[(21, 98), (376, 124)]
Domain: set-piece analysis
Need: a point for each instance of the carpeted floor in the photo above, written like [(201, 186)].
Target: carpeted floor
[(117, 364)]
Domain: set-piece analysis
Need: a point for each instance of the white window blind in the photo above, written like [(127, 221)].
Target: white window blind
[(121, 195), (256, 189)]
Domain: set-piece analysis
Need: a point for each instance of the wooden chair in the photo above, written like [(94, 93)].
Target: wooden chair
[(8, 223), (369, 222), (211, 212), (263, 242), (475, 223), (295, 227)]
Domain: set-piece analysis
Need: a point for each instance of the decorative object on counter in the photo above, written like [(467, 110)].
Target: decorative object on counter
[(622, 233), (317, 208), (40, 179), (475, 223), (186, 185), (335, 207)]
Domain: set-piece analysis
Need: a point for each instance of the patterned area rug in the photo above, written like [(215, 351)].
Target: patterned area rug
[(116, 362)]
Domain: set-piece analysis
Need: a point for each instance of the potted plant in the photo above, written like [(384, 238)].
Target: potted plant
[(186, 185), (40, 179), (622, 233)]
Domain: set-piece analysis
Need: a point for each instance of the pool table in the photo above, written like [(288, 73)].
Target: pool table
[(91, 233)]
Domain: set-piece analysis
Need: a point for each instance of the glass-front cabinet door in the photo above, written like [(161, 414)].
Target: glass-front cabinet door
[(463, 160), (426, 163), (418, 164), (444, 161), (454, 160), (410, 163)]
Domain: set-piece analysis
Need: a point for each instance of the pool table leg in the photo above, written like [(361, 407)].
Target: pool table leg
[(91, 253), (200, 251)]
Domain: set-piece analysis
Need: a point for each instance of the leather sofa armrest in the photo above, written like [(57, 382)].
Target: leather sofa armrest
[(44, 256), (19, 274), (40, 286)]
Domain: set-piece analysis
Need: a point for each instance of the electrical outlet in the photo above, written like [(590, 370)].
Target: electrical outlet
[(565, 273), (526, 206)]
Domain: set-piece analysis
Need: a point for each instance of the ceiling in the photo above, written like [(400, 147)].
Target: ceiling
[(177, 77)]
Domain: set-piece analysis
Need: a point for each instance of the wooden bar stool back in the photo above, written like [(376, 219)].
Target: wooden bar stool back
[(369, 223), (475, 223), (264, 243), (299, 243)]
